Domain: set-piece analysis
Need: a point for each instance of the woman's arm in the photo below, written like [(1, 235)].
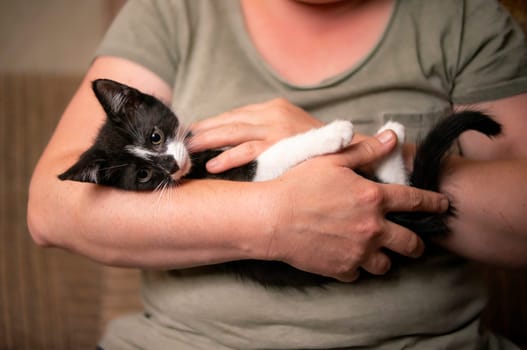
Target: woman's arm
[(488, 189), (156, 230), (487, 185), (205, 222)]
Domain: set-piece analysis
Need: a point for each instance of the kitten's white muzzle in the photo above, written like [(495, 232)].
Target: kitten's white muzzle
[(178, 150)]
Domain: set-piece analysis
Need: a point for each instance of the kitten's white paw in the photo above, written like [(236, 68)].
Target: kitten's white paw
[(397, 128), (336, 135), (391, 169)]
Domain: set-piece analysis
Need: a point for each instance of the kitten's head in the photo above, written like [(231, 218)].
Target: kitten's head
[(139, 147)]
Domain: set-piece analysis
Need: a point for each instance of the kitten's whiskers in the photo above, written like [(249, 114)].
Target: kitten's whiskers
[(163, 189), (114, 167), (181, 134)]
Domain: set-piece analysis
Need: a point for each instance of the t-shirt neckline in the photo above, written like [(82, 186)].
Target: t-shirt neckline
[(256, 57)]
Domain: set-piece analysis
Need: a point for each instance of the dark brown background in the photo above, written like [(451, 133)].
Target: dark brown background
[(50, 299)]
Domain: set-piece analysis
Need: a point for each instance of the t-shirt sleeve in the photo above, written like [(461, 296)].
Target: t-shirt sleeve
[(492, 61), (145, 32)]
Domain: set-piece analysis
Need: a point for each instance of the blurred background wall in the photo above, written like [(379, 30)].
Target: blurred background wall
[(50, 299), (52, 36)]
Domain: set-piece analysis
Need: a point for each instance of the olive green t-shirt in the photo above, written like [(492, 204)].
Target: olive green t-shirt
[(432, 54)]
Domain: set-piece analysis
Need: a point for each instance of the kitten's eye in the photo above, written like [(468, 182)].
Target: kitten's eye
[(157, 137), (144, 175)]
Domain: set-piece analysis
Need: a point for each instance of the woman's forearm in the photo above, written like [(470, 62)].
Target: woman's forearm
[(321, 217), (179, 227), (168, 229), (490, 198)]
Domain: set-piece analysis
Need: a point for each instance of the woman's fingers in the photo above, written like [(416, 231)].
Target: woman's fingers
[(400, 198), (279, 117), (236, 156), (367, 151), (239, 115), (249, 130), (247, 143), (377, 263), (400, 240), (396, 239), (231, 134), (394, 197), (348, 277)]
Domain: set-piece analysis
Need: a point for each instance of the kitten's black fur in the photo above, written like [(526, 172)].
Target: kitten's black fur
[(135, 119)]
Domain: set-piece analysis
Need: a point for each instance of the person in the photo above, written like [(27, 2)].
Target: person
[(247, 73)]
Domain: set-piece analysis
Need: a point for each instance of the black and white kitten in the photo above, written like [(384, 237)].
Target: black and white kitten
[(142, 146)]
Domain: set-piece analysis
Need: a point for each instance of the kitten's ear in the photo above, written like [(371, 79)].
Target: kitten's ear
[(86, 169), (115, 97)]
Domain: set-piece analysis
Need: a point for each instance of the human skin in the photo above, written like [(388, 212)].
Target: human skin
[(285, 219), (484, 185)]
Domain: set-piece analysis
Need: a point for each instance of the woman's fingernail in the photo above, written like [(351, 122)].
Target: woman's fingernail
[(418, 252), (386, 136), (445, 204), (212, 164)]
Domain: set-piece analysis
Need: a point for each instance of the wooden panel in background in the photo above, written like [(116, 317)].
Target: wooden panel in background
[(518, 9), (49, 299)]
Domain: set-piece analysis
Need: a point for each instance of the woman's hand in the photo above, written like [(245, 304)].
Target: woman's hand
[(249, 131), (332, 220)]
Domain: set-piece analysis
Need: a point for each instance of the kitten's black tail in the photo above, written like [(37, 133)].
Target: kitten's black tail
[(429, 163)]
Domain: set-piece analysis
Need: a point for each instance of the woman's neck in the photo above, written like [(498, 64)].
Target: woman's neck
[(306, 43), (310, 15)]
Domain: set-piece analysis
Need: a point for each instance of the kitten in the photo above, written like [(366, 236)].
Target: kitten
[(142, 146)]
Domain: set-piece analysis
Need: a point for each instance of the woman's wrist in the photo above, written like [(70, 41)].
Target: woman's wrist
[(268, 220)]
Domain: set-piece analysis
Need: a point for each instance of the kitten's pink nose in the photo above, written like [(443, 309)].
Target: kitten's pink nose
[(174, 168), (169, 164)]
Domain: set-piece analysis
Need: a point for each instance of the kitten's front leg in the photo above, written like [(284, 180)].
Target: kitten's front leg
[(291, 151)]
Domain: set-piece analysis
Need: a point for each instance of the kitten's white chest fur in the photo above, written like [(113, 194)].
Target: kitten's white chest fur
[(330, 138)]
